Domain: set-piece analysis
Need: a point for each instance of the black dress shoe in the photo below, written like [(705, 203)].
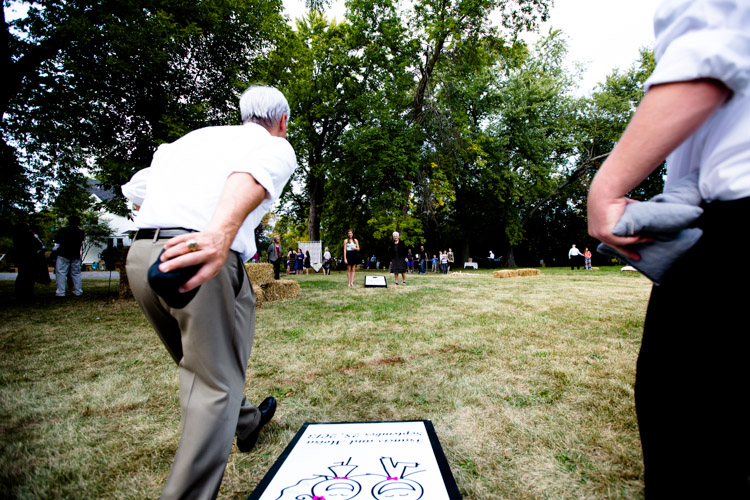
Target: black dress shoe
[(267, 409)]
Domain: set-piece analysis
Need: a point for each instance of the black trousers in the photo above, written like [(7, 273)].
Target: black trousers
[(693, 371), (276, 268)]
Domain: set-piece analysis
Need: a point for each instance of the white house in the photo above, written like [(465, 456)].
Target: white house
[(121, 226)]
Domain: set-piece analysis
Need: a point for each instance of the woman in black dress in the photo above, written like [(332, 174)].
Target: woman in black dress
[(398, 258), (351, 247), (290, 262)]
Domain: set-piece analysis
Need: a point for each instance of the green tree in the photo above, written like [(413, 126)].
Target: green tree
[(99, 84), (361, 91), (608, 112), (314, 67), (97, 231)]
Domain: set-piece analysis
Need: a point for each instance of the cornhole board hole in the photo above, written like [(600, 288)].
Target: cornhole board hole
[(375, 282), (361, 460)]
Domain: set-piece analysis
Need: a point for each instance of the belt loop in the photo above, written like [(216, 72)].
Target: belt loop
[(156, 235)]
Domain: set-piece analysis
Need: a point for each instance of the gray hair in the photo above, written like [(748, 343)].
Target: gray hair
[(395, 234), (263, 105)]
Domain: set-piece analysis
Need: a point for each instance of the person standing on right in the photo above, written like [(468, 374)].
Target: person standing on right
[(587, 259), (70, 238), (692, 369)]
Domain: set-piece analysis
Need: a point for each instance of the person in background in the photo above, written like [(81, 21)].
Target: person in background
[(692, 369), (398, 258), (423, 256), (70, 239), (434, 263), (299, 261), (275, 256), (409, 261), (290, 260), (24, 257), (444, 262), (451, 259), (351, 247), (327, 262), (41, 272), (587, 259), (574, 257), (308, 264)]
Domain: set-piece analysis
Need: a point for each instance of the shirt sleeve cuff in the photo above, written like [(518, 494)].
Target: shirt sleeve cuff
[(722, 55)]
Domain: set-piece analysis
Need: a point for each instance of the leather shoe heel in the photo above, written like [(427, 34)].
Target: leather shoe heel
[(267, 409)]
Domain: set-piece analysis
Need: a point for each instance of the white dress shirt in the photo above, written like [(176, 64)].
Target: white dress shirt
[(709, 39), (187, 177)]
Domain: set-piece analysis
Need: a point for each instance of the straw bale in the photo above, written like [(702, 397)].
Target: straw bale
[(260, 296), (505, 273), (261, 273), (529, 272), (281, 290)]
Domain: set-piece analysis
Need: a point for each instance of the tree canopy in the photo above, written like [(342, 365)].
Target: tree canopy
[(98, 84), (429, 117)]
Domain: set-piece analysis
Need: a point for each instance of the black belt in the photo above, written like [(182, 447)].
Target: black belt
[(161, 233)]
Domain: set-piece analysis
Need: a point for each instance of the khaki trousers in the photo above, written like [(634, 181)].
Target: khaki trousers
[(210, 340)]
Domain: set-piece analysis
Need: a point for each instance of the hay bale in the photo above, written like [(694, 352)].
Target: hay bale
[(280, 290), (505, 273), (529, 272), (261, 273), (260, 296)]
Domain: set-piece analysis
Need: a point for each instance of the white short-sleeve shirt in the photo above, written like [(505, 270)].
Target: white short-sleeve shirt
[(187, 177), (709, 39)]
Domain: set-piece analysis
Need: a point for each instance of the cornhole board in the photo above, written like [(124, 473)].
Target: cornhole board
[(361, 460), (375, 282)]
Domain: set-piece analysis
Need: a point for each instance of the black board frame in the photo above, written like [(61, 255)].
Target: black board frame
[(445, 471)]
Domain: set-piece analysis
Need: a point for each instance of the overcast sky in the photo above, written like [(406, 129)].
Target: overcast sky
[(602, 34)]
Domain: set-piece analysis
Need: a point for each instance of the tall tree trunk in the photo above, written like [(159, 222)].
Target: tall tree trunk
[(464, 253), (510, 260), (316, 200), (124, 291)]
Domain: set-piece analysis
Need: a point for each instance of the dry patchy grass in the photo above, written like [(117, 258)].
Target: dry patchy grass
[(528, 382)]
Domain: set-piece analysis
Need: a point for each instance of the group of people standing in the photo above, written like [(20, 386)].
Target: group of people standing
[(31, 260), (298, 261), (575, 257)]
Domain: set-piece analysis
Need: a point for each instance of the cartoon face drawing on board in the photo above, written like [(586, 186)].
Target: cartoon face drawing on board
[(397, 489), (338, 488), (396, 486), (339, 485)]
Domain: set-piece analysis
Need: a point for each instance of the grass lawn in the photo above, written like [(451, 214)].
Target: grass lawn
[(528, 382)]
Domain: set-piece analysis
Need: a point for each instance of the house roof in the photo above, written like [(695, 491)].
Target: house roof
[(94, 187)]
